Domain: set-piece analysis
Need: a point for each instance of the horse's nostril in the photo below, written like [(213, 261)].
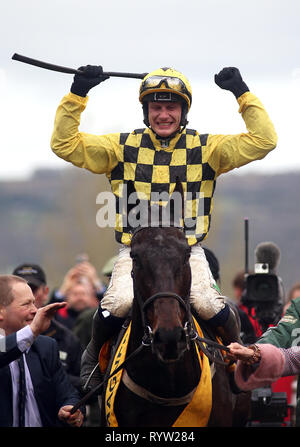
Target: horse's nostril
[(168, 336), (169, 344)]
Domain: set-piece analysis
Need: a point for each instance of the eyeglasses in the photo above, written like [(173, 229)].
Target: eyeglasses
[(170, 82)]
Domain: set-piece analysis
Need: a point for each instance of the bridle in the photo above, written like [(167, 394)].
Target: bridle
[(185, 303), (189, 327), (148, 334), (191, 334), (147, 341)]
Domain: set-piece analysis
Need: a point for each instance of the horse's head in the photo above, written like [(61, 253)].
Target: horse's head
[(162, 279)]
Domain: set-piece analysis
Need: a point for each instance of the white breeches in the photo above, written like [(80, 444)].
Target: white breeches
[(205, 299)]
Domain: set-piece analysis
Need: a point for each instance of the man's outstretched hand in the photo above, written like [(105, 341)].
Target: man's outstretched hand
[(43, 317)]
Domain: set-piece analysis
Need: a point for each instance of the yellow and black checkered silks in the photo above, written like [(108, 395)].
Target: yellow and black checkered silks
[(197, 160), (155, 171)]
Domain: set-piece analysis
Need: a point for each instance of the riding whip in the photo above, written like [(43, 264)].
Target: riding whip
[(59, 68)]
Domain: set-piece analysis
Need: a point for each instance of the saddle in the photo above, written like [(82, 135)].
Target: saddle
[(106, 353)]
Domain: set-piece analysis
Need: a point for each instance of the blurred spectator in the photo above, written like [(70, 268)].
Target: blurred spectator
[(83, 325), (214, 267), (108, 267), (238, 284), (70, 349), (83, 329), (289, 384), (82, 289), (250, 329), (84, 273), (294, 293)]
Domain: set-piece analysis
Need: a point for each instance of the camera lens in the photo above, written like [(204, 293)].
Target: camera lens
[(262, 287)]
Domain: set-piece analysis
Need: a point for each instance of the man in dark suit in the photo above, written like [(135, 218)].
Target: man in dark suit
[(69, 346), (39, 382)]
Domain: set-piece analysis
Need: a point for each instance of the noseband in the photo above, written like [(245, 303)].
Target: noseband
[(189, 327), (165, 295), (148, 334)]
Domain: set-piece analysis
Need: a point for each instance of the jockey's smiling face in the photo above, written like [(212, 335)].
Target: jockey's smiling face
[(164, 117)]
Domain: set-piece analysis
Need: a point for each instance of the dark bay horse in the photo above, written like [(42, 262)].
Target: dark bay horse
[(162, 377)]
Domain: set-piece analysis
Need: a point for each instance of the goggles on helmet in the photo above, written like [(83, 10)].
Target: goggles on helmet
[(172, 84)]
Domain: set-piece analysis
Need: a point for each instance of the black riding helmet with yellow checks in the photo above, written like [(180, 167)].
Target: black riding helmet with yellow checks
[(166, 84)]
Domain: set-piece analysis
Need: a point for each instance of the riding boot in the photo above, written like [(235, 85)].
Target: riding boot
[(104, 326), (230, 330), (229, 333)]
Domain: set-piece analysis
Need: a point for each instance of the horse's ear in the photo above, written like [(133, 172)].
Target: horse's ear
[(130, 188), (178, 187), (134, 202), (178, 191)]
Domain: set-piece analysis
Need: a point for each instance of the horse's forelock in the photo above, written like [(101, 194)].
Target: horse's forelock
[(158, 243)]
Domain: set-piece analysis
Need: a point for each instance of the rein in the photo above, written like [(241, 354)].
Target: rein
[(147, 341), (100, 385), (190, 331)]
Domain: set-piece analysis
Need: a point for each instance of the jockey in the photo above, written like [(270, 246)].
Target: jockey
[(152, 158)]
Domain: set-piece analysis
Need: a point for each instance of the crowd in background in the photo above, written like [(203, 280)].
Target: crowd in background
[(82, 288)]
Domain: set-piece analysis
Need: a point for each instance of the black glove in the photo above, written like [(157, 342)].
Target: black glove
[(230, 79), (92, 75)]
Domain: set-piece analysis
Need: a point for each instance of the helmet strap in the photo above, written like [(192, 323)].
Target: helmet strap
[(146, 114)]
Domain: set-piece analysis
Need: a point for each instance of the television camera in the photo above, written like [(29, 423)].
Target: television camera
[(264, 293)]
